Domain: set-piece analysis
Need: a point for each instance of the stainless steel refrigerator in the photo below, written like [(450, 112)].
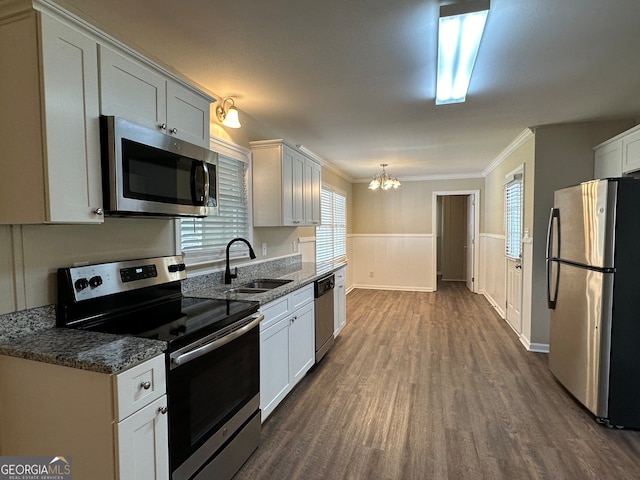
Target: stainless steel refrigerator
[(593, 291)]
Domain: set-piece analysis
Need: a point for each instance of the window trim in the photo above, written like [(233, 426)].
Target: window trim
[(236, 152), (338, 191)]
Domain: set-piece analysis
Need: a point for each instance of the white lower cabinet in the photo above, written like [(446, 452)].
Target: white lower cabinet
[(113, 427), (141, 438), (287, 346)]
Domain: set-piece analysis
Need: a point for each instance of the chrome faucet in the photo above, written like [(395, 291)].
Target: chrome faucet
[(227, 272)]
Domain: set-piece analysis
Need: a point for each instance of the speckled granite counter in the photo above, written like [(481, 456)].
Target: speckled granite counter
[(300, 274), (31, 334)]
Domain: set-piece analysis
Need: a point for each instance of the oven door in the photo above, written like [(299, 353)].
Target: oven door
[(213, 391)]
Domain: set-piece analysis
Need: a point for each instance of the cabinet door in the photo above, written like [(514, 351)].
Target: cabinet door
[(312, 187), (608, 160), (274, 366), (143, 443), (131, 90), (631, 152), (70, 85), (292, 187), (301, 342), (187, 115)]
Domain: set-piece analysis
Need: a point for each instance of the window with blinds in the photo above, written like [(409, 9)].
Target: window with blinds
[(513, 217), (331, 234), (205, 239)]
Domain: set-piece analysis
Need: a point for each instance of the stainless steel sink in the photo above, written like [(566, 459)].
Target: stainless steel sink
[(265, 284), (259, 286)]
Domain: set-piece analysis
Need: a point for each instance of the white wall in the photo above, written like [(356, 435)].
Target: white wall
[(493, 270), (393, 261)]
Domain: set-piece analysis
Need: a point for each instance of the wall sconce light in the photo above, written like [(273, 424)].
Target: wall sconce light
[(460, 30), (384, 180), (228, 117)]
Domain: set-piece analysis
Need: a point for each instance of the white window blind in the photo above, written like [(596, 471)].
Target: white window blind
[(205, 239), (331, 234), (513, 217)]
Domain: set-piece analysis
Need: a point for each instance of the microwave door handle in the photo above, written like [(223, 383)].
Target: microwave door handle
[(207, 180), (182, 358), (196, 198)]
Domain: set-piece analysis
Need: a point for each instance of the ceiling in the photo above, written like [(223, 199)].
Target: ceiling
[(354, 80)]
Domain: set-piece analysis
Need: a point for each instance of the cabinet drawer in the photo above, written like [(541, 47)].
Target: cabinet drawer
[(339, 275), (139, 386), (301, 296), (275, 311)]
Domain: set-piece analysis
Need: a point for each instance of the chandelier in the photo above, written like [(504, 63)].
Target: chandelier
[(384, 180)]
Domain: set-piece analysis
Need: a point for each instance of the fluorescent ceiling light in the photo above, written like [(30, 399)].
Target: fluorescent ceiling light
[(459, 33)]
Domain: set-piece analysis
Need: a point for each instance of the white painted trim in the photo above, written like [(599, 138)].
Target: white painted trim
[(325, 164), (394, 288), (516, 143), (228, 149), (534, 347), (495, 305), (476, 233), (306, 239), (390, 235), (497, 236)]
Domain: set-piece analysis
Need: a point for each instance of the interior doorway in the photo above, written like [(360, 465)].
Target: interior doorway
[(455, 218)]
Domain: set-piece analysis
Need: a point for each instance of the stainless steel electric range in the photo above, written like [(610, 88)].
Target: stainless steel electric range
[(212, 359)]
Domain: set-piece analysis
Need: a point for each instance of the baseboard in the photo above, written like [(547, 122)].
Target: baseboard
[(534, 347), (493, 303), (403, 288)]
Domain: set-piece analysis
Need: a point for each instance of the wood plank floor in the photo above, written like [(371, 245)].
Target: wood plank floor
[(435, 386)]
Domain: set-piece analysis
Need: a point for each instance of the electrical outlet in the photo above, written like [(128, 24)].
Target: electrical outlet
[(370, 274), (264, 249), (293, 246)]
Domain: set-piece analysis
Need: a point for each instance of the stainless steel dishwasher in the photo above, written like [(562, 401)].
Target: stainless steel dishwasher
[(324, 315)]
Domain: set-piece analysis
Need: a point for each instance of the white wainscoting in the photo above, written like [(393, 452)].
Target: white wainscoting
[(493, 271), (393, 261)]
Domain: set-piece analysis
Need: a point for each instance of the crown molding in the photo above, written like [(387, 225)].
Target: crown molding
[(516, 143)]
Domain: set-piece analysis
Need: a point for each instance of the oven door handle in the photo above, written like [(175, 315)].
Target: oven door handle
[(182, 358)]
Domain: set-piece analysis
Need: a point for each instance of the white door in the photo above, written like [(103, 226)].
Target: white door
[(513, 206), (470, 241), (514, 293)]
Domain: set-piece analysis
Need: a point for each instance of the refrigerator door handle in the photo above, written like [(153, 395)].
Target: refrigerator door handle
[(554, 220)]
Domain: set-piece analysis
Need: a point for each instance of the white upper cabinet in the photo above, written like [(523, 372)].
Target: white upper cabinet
[(142, 94), (631, 151), (286, 186), (618, 155), (49, 124)]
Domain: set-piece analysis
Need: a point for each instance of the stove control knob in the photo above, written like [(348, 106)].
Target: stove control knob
[(81, 284), (95, 281)]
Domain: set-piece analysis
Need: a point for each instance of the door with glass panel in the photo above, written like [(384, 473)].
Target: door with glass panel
[(513, 200)]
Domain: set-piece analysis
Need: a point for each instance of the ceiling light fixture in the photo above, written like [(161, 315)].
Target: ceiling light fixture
[(384, 180), (228, 117), (459, 33)]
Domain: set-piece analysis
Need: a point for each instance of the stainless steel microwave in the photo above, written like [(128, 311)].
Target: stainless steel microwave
[(146, 172)]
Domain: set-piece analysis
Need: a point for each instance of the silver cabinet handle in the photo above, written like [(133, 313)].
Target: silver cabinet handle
[(145, 385), (163, 410), (162, 126), (173, 131), (99, 211)]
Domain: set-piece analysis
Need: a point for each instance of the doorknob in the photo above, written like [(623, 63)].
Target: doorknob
[(518, 265)]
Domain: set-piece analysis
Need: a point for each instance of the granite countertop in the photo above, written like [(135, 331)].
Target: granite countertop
[(31, 334), (300, 276)]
